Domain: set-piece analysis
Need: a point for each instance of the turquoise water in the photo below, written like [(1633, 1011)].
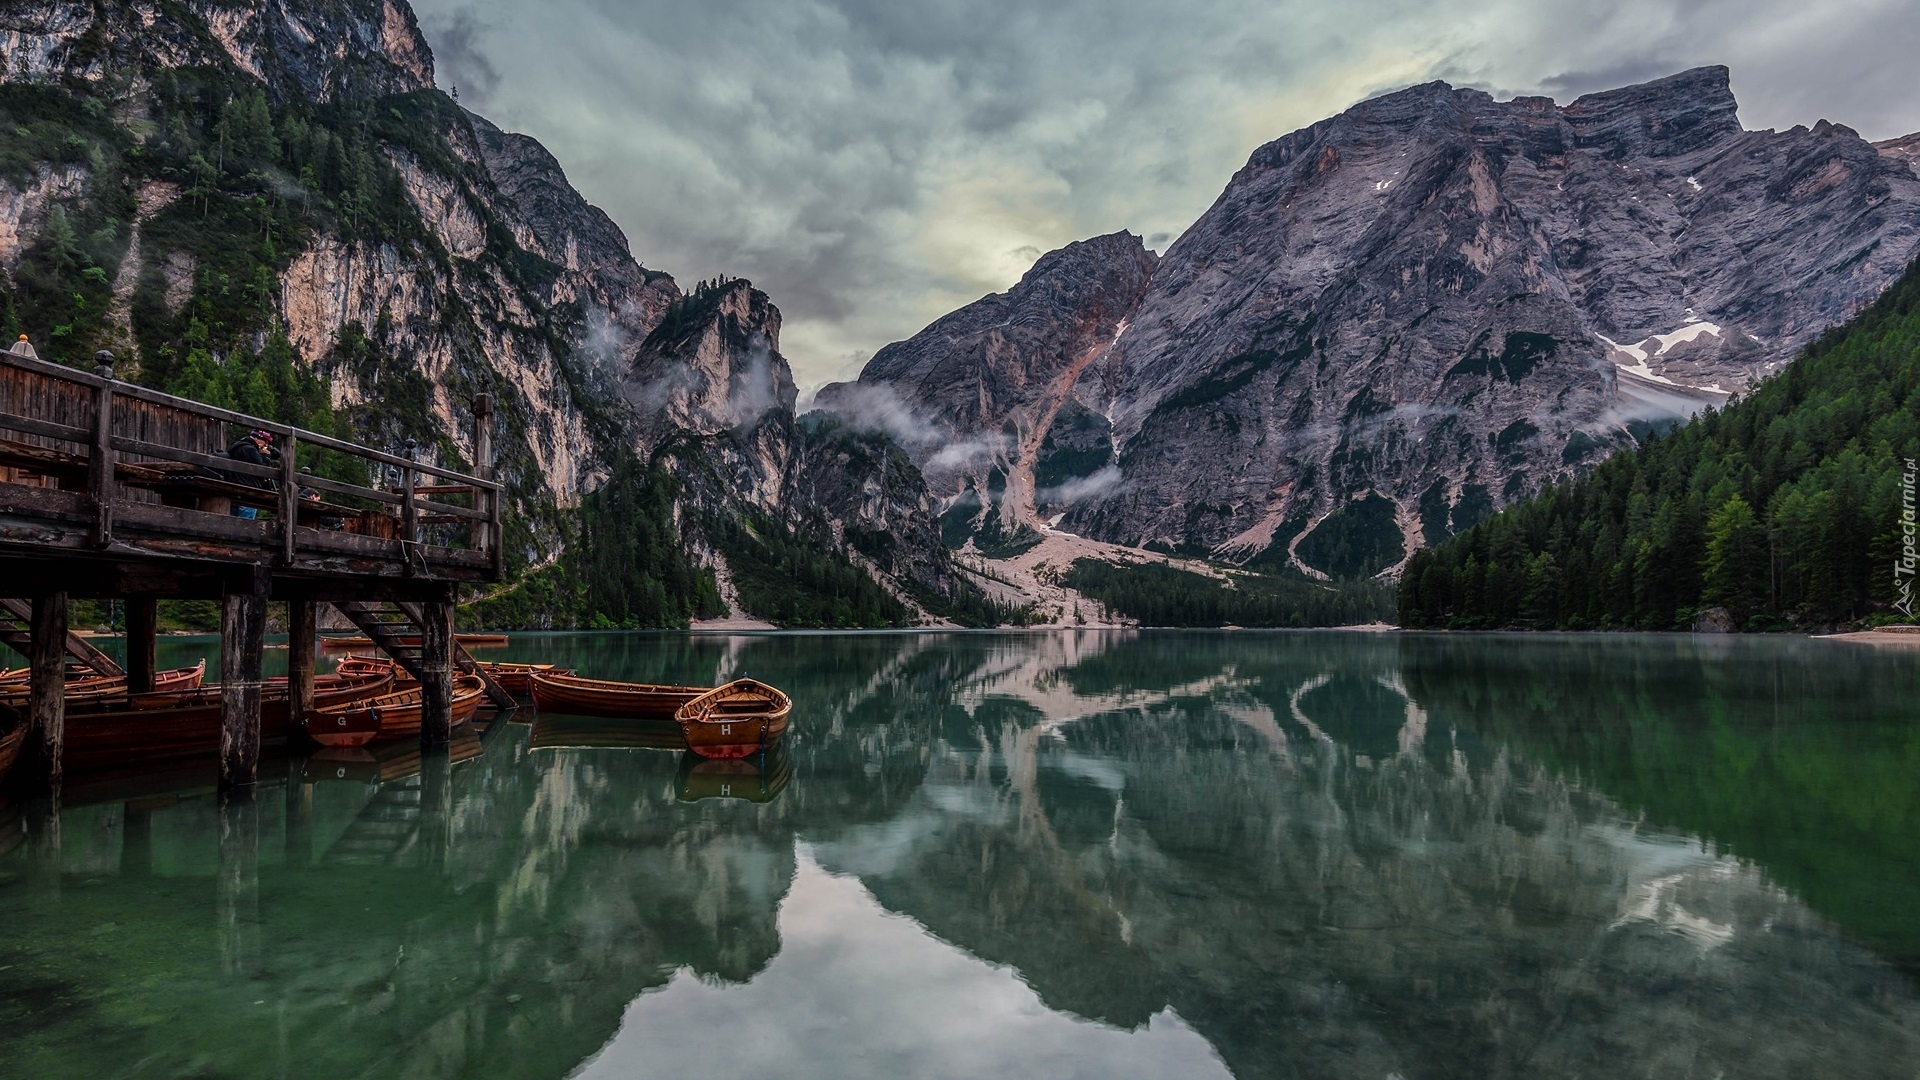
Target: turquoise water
[(1092, 854)]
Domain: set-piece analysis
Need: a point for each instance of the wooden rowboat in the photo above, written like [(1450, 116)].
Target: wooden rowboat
[(99, 689), (186, 678), (390, 716), (83, 690), (355, 664), (208, 694), (13, 735), (554, 692), (111, 737), (737, 720), (517, 679)]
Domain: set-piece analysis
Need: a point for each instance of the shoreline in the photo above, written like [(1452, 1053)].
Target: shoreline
[(1883, 637)]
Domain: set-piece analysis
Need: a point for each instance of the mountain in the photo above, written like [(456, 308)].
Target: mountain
[(270, 207), (713, 405), (1396, 320), (1793, 506)]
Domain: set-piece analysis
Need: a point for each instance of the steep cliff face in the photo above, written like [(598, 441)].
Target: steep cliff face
[(712, 400), (324, 52), (270, 207), (1396, 319), (985, 395), (413, 254)]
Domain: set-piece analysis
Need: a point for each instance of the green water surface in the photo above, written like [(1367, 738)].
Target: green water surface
[(1072, 854)]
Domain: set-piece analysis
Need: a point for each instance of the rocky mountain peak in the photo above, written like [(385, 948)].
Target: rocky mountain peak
[(327, 51), (975, 395), (713, 365), (1396, 319), (1666, 117)]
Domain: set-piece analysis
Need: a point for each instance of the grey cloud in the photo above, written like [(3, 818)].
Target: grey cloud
[(458, 57), (873, 164)]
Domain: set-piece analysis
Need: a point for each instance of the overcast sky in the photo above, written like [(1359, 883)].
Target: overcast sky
[(873, 164)]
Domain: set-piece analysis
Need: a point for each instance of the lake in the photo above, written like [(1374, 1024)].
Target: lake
[(1073, 854)]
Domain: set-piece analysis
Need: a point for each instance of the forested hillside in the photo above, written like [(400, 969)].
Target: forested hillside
[(1784, 509)]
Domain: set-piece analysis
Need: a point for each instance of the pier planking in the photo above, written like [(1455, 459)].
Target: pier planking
[(113, 490)]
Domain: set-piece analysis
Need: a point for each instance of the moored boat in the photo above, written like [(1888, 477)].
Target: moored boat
[(80, 690), (517, 679), (186, 678), (390, 716), (13, 735), (94, 689), (111, 737), (736, 720), (554, 692), (356, 664)]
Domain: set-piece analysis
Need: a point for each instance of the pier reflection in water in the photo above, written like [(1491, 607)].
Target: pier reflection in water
[(1106, 854)]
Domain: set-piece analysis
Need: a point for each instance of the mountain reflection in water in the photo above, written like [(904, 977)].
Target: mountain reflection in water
[(1100, 854)]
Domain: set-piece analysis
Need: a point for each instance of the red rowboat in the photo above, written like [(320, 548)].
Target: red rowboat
[(736, 720), (12, 737), (80, 690), (554, 692), (93, 689), (357, 665), (517, 679), (111, 737), (389, 716), (186, 678)]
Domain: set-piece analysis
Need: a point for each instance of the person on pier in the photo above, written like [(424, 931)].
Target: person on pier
[(254, 448)]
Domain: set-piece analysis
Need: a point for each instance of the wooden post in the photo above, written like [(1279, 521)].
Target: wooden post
[(100, 461), (47, 692), (483, 536), (436, 673), (289, 496), (243, 625), (409, 513), (143, 626), (300, 635)]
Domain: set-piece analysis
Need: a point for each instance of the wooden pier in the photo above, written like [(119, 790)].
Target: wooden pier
[(110, 490)]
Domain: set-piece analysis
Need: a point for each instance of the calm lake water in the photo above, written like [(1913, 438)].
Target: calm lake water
[(1096, 854)]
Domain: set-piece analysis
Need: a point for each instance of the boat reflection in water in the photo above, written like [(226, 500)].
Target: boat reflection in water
[(756, 779), (385, 762), (1113, 854)]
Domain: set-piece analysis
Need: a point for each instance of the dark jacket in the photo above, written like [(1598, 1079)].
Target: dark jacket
[(244, 450)]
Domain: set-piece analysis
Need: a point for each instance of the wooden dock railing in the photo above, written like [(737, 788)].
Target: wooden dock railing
[(88, 462)]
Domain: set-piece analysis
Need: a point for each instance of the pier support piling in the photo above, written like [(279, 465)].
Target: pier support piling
[(143, 625), (300, 644), (47, 692), (243, 626), (436, 675)]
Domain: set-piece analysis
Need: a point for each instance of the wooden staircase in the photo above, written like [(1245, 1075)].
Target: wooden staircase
[(16, 617), (397, 630)]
